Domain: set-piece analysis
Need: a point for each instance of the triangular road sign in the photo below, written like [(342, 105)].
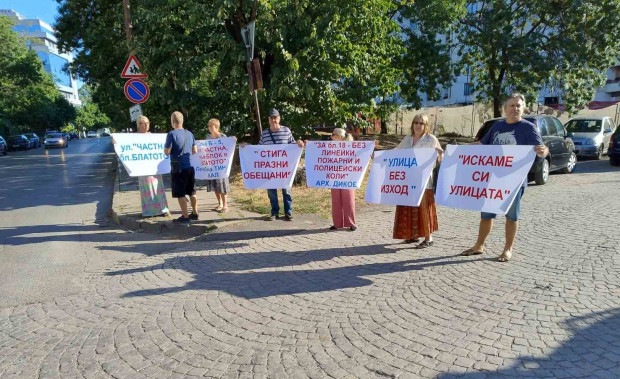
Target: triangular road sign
[(133, 69)]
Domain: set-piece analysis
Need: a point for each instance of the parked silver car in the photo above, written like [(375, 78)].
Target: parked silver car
[(591, 135)]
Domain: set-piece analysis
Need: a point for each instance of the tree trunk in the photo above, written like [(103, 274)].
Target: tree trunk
[(497, 106)]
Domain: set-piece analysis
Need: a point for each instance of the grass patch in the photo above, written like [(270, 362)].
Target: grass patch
[(305, 199)]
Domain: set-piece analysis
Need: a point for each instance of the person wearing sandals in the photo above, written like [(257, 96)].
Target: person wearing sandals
[(343, 200), (513, 131), (221, 187), (411, 223), (152, 192)]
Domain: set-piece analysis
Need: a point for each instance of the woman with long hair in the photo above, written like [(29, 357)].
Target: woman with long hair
[(411, 223)]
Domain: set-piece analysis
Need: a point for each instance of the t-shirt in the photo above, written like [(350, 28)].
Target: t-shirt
[(174, 142), (282, 136), (519, 133)]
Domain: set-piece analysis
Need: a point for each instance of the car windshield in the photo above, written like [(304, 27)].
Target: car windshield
[(55, 135), (15, 138), (584, 126)]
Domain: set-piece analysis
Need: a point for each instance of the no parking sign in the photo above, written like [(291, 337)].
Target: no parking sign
[(136, 91)]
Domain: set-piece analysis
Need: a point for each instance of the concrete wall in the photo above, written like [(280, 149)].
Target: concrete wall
[(466, 120)]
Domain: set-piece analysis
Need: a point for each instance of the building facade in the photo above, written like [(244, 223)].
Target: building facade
[(41, 39)]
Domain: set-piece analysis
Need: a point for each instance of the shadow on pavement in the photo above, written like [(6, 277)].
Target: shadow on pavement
[(593, 351), (220, 272)]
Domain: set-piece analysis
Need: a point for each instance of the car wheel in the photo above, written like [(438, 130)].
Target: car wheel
[(599, 153), (570, 166), (614, 161), (542, 176)]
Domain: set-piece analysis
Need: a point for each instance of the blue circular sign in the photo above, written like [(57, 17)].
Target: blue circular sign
[(136, 91)]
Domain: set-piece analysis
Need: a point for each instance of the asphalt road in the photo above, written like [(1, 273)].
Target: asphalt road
[(53, 205)]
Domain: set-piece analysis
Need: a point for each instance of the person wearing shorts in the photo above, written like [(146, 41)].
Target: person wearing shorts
[(180, 144), (513, 131)]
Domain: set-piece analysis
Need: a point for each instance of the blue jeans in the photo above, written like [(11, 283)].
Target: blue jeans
[(286, 197), (513, 212)]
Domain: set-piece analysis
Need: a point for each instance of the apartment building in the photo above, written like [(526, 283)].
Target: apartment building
[(41, 39)]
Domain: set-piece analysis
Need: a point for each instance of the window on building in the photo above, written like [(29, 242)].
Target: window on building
[(552, 100), (468, 89)]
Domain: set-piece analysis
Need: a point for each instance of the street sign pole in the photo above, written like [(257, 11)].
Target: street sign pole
[(247, 33)]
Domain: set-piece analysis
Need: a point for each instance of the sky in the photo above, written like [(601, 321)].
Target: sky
[(46, 10)]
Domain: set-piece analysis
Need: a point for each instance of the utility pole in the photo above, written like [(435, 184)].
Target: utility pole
[(247, 33), (128, 34)]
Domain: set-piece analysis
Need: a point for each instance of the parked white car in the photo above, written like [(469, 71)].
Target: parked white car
[(591, 135), (92, 134)]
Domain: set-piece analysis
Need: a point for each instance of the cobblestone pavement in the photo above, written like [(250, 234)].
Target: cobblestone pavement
[(307, 302)]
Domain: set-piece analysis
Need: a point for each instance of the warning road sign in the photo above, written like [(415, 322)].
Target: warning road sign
[(136, 91), (133, 69)]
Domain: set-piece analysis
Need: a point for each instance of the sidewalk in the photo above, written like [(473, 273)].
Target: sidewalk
[(127, 211)]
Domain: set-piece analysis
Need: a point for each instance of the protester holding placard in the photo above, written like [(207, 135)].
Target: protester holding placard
[(411, 223), (221, 187), (278, 134), (343, 200), (180, 144), (513, 131), (152, 192)]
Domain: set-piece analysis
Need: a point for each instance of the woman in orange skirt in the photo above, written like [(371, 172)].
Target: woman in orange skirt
[(411, 223)]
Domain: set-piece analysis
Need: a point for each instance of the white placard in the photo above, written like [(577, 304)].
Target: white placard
[(269, 166), (399, 176), (483, 177), (337, 164), (142, 154), (214, 158)]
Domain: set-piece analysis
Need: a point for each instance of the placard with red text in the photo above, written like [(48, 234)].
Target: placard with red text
[(483, 177), (399, 176), (214, 158), (269, 166), (337, 164)]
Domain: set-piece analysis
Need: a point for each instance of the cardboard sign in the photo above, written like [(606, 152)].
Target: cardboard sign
[(483, 177), (337, 164), (269, 166), (142, 154), (399, 176), (214, 158)]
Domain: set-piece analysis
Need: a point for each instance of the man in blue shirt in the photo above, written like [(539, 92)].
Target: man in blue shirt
[(278, 134), (180, 144), (513, 131)]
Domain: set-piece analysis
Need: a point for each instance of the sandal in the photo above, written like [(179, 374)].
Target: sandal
[(505, 257), (424, 245), (471, 251), (412, 240), (218, 208), (223, 210)]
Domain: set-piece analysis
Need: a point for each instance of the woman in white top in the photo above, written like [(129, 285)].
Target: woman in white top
[(411, 223)]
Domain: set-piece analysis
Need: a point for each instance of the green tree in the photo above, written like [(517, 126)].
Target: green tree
[(30, 99), (521, 45), (322, 61), (89, 117)]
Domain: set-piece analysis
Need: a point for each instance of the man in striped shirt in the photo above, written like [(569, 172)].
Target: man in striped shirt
[(278, 134)]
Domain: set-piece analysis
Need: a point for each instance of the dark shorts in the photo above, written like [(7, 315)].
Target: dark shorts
[(514, 211), (183, 183)]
